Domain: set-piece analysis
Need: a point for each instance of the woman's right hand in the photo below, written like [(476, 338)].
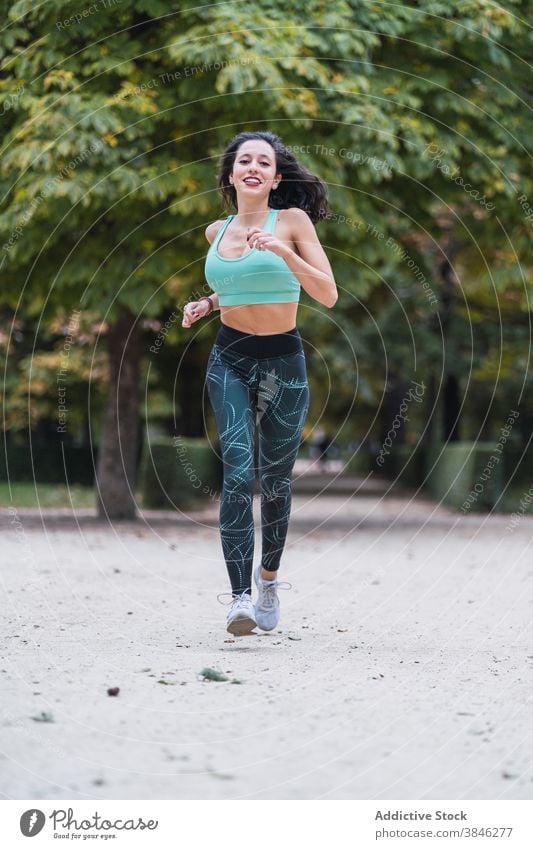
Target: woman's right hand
[(193, 311)]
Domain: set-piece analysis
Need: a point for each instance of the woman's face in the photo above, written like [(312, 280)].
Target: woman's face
[(254, 169)]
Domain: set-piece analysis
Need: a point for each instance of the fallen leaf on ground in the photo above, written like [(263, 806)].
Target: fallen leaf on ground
[(43, 717), (209, 674)]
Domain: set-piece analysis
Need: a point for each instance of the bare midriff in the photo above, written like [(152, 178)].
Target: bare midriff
[(260, 319)]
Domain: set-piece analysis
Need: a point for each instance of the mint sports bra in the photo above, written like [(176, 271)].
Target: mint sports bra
[(256, 277)]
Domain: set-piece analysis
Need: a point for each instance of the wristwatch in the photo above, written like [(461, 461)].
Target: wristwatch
[(207, 298)]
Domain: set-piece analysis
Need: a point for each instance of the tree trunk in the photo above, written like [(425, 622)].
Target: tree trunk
[(117, 454), (190, 421), (451, 409), (451, 402)]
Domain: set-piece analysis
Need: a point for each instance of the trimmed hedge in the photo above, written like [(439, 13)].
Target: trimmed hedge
[(358, 464), (405, 465), (467, 475), (47, 462), (179, 472), (516, 480), (472, 476)]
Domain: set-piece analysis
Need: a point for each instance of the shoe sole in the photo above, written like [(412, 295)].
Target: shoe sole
[(241, 627)]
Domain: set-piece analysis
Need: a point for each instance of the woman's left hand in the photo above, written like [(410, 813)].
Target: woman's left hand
[(262, 240)]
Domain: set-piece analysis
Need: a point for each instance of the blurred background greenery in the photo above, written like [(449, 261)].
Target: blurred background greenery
[(418, 118)]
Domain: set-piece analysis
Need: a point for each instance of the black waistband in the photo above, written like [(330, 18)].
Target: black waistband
[(257, 346)]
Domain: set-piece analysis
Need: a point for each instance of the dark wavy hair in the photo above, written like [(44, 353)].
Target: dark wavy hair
[(298, 186)]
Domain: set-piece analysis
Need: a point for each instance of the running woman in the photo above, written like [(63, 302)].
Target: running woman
[(256, 376)]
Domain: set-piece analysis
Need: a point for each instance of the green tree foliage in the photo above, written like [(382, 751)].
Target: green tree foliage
[(416, 115)]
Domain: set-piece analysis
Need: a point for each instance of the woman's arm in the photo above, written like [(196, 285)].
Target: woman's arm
[(310, 265), (214, 300), (195, 310)]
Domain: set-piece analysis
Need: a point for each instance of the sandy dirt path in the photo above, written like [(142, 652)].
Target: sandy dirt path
[(401, 669)]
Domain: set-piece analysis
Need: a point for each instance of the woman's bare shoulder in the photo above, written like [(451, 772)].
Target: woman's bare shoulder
[(294, 219), (296, 225), (294, 213), (212, 229)]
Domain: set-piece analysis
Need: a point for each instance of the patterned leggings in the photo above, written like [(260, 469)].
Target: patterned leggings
[(271, 394)]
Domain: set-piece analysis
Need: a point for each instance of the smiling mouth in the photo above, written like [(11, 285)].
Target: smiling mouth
[(252, 181)]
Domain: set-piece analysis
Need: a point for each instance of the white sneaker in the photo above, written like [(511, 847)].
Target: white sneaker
[(267, 604), (241, 616)]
